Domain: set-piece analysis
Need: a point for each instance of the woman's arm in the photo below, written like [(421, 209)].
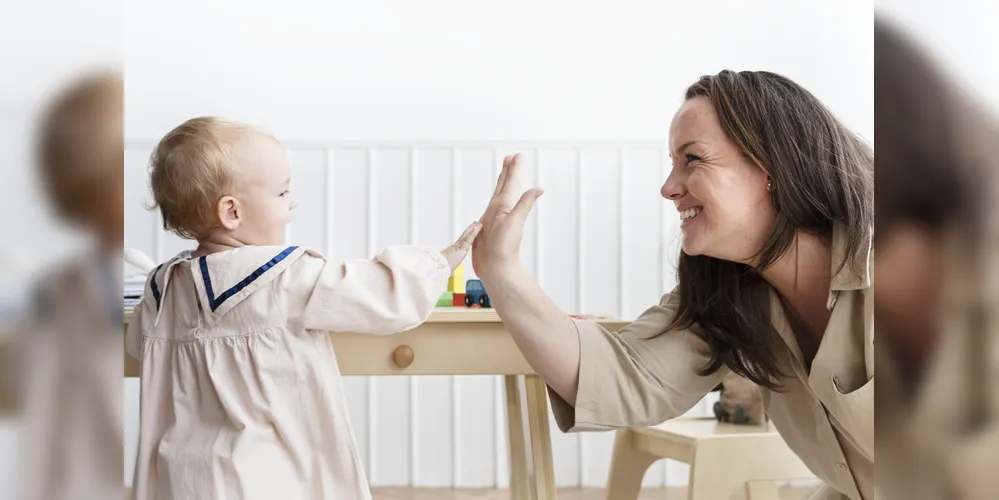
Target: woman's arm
[(639, 375), (544, 334)]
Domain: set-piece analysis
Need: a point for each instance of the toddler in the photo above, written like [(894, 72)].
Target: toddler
[(241, 395)]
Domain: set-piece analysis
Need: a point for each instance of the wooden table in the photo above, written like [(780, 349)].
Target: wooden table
[(459, 341)]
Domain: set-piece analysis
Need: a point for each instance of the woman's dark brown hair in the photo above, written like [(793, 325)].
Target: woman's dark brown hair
[(822, 175)]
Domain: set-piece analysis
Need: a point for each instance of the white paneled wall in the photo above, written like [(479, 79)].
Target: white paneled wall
[(601, 240)]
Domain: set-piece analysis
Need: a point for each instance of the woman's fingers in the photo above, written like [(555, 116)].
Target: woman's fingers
[(523, 207), (502, 176), (500, 204), (511, 182), (502, 200)]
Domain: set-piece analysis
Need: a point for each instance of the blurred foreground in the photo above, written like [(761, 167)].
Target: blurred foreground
[(61, 141), (936, 278)]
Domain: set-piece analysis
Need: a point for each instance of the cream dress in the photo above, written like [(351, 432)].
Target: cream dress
[(241, 394)]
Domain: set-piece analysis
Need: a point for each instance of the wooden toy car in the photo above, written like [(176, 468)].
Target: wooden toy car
[(475, 293)]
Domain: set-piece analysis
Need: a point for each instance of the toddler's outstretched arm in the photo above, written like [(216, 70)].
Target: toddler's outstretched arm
[(395, 291)]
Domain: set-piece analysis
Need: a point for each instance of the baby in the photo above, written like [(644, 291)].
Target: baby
[(241, 394)]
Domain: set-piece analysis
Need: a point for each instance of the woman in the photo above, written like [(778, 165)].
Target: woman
[(775, 198)]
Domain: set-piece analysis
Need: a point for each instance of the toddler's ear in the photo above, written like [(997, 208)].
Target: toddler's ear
[(229, 212)]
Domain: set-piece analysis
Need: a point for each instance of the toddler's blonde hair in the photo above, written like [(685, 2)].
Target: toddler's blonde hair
[(191, 169)]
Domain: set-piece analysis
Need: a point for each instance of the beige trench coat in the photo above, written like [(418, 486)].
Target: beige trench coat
[(940, 439), (241, 394), (67, 361), (640, 376)]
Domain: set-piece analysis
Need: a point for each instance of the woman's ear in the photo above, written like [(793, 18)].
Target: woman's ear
[(229, 212)]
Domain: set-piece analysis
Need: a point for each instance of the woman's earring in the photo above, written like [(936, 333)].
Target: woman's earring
[(769, 187)]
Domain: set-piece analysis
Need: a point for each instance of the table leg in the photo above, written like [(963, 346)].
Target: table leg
[(543, 484), (519, 468)]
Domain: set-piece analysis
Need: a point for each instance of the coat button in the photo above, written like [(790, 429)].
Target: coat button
[(841, 466)]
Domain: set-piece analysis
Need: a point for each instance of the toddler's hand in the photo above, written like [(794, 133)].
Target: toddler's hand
[(456, 253)]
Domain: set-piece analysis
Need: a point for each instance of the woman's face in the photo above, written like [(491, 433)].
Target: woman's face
[(725, 208)]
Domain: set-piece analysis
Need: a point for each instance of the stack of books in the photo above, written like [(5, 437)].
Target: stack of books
[(133, 288)]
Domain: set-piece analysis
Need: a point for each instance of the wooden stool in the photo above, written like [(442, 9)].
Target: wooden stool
[(722, 457)]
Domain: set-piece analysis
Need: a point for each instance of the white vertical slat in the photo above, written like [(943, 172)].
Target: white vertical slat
[(330, 202), (455, 392), (414, 237), (537, 221), (498, 401), (287, 227), (580, 288), (372, 455), (160, 233), (621, 234), (521, 381), (663, 263)]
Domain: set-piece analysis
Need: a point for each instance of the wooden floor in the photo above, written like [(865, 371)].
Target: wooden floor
[(565, 494)]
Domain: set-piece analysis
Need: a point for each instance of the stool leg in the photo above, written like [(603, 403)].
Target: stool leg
[(713, 472), (628, 466), (761, 490)]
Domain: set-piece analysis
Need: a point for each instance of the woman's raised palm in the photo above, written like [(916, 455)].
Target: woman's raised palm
[(497, 245)]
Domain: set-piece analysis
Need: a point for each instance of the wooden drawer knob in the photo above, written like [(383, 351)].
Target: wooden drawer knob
[(403, 356)]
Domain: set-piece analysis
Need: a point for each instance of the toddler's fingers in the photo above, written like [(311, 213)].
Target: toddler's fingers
[(465, 241)]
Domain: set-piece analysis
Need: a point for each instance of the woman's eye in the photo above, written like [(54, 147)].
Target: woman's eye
[(285, 193), (692, 158)]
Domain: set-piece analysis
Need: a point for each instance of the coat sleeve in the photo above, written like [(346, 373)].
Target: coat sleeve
[(638, 376), (392, 292)]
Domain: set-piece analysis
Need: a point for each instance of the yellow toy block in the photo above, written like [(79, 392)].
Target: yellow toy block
[(456, 283)]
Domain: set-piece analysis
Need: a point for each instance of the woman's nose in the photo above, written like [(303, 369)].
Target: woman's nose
[(672, 190)]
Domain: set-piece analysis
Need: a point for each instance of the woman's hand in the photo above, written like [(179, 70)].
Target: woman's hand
[(456, 253), (543, 333), (497, 247)]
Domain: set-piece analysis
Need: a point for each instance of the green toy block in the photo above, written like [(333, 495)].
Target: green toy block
[(445, 300)]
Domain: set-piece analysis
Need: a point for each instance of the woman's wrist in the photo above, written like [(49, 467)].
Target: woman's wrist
[(499, 273)]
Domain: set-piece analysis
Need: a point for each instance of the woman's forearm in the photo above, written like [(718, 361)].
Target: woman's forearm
[(543, 333)]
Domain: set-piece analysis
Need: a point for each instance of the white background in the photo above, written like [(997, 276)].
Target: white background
[(447, 77)]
